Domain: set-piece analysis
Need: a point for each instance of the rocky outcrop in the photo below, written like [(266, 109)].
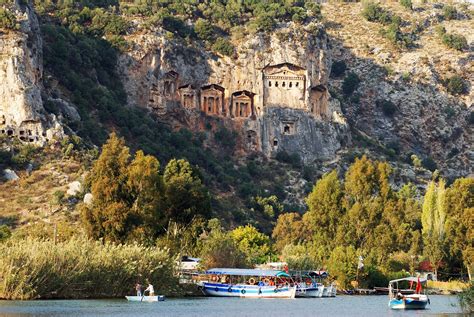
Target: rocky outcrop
[(21, 108), (271, 82)]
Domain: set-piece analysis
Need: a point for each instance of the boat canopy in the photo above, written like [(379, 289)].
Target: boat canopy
[(247, 272), (409, 279)]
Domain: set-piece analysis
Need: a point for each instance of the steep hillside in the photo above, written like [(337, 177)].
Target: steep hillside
[(403, 102), (262, 98)]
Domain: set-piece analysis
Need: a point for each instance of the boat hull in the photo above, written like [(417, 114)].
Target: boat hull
[(247, 291), (408, 302), (310, 292), (159, 298)]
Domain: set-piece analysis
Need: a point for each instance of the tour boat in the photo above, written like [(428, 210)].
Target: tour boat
[(248, 283), (307, 286), (412, 301), (158, 298)]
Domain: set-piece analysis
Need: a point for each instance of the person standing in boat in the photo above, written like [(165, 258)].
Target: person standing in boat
[(138, 288), (150, 290)]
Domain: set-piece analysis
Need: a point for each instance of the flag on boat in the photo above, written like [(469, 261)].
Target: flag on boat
[(418, 286), (360, 265)]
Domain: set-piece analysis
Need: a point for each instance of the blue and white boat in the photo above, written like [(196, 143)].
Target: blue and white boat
[(248, 283), (413, 301)]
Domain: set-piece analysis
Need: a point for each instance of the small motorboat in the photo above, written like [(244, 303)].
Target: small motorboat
[(412, 301), (158, 298)]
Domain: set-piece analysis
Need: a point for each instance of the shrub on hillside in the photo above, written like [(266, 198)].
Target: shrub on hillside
[(394, 34), (387, 107), (429, 164), (223, 46), (455, 41), (450, 12), (456, 85), (407, 4), (471, 117), (373, 12), (338, 68), (8, 20), (204, 30), (350, 84)]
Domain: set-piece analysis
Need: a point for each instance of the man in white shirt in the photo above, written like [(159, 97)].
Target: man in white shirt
[(150, 290)]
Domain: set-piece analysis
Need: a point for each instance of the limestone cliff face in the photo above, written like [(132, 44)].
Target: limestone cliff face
[(273, 90), (21, 69)]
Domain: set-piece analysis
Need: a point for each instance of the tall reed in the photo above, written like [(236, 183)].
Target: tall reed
[(80, 268)]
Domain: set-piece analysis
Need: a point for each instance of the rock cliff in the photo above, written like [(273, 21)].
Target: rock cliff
[(21, 70), (299, 116)]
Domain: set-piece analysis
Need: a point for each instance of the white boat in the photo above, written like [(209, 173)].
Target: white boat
[(158, 298), (412, 301), (248, 283), (307, 286), (312, 290)]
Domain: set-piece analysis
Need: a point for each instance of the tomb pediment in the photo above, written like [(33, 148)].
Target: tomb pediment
[(285, 69), (213, 87)]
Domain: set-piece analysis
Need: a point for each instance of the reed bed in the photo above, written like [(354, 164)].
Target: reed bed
[(80, 268)]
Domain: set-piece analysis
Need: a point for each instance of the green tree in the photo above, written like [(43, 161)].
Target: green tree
[(343, 265), (433, 220), (219, 249), (325, 210), (253, 243), (145, 188), (268, 206), (459, 228), (109, 216), (298, 257), (185, 195), (288, 229)]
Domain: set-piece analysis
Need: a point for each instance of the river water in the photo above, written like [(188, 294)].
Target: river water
[(363, 306)]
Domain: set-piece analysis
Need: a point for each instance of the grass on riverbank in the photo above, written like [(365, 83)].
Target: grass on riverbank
[(448, 287), (80, 268)]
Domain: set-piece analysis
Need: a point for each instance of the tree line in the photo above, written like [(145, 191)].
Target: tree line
[(362, 214)]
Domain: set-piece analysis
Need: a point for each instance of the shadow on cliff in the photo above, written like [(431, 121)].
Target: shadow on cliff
[(398, 126)]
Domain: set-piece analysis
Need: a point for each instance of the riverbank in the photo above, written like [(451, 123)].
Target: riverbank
[(81, 268)]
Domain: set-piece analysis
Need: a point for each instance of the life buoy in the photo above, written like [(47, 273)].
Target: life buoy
[(266, 281), (215, 278), (251, 281), (243, 291)]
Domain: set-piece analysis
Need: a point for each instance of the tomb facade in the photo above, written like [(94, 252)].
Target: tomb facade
[(242, 104), (187, 95), (284, 85), (212, 100)]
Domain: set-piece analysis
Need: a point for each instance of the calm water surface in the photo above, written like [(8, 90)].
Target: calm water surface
[(217, 307)]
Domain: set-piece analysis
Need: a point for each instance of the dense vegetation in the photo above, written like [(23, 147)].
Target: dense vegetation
[(79, 268), (392, 229)]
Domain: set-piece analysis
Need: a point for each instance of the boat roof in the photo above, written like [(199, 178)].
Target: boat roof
[(409, 279), (246, 272)]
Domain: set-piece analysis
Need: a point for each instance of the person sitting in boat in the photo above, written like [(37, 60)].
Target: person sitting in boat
[(150, 290), (261, 283), (399, 296), (138, 288)]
